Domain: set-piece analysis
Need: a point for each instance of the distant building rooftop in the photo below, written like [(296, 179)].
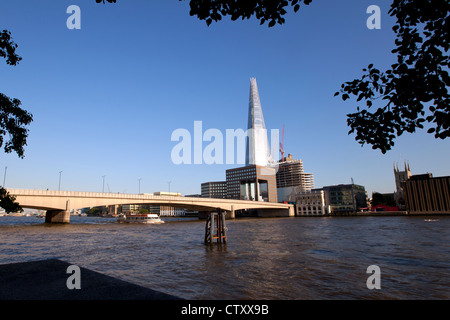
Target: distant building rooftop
[(163, 193)]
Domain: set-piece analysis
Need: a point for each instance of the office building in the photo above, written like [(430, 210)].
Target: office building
[(424, 194), (167, 211), (345, 198), (165, 193), (311, 203), (214, 189), (256, 183), (131, 208), (291, 179)]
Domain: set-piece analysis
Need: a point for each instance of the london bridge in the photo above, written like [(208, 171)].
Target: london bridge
[(58, 204)]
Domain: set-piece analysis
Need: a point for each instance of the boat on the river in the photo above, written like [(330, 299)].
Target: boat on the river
[(139, 218)]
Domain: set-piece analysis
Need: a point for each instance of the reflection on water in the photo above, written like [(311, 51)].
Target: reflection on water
[(284, 258)]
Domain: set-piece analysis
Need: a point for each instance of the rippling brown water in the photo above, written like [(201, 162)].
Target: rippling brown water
[(280, 258)]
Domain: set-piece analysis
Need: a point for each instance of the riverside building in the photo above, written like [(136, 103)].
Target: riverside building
[(291, 180), (345, 198), (256, 183), (427, 195), (214, 189), (311, 203)]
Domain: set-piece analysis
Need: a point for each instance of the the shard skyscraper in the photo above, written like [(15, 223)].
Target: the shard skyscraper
[(258, 151)]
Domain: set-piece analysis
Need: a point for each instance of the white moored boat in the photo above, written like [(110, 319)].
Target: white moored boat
[(140, 218)]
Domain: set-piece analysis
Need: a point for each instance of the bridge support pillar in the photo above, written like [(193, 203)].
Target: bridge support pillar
[(232, 214), (57, 216)]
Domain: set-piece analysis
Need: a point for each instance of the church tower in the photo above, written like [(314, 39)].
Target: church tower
[(401, 176)]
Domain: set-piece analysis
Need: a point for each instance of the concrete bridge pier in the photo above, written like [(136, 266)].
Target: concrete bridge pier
[(232, 215), (57, 216)]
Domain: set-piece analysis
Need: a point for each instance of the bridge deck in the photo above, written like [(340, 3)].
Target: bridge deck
[(67, 200)]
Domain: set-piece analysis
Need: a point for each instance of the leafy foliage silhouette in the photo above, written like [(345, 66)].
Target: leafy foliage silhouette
[(263, 10), (13, 119), (412, 92), (418, 81)]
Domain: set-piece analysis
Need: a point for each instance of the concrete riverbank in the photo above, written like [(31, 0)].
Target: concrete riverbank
[(47, 280)]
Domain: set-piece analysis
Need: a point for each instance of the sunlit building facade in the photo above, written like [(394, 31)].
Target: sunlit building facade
[(311, 203), (291, 179), (345, 198), (214, 189), (258, 151), (427, 195), (256, 183)]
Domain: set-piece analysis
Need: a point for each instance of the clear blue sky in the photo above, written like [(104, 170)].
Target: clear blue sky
[(106, 98)]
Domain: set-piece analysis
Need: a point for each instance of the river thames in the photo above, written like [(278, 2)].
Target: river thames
[(264, 258)]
